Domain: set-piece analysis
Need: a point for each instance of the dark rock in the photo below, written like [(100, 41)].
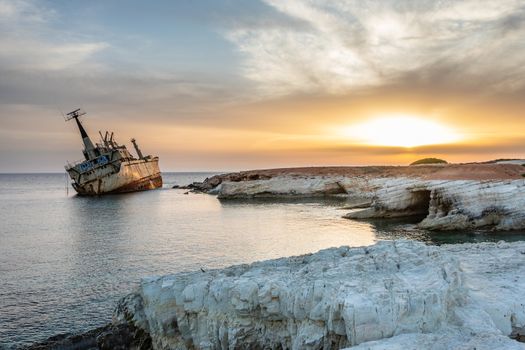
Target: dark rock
[(235, 177), (122, 337), (518, 334), (206, 185), (118, 337), (179, 187), (84, 341), (214, 181)]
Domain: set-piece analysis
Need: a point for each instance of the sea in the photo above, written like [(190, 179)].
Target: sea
[(65, 260)]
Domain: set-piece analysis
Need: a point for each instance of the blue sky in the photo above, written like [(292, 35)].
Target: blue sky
[(231, 84), (169, 35)]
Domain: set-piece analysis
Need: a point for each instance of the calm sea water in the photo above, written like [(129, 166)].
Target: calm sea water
[(65, 260)]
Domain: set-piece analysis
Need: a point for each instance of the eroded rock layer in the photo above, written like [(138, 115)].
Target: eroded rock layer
[(450, 197), (390, 293)]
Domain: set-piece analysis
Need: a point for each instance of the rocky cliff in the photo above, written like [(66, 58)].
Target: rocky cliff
[(450, 197), (449, 204), (393, 294)]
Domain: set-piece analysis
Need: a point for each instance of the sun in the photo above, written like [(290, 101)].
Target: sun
[(401, 131)]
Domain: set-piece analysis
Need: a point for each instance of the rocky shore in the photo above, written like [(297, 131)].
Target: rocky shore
[(392, 295), (118, 336), (449, 196)]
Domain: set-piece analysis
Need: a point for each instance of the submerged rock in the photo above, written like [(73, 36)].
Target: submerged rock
[(394, 294)]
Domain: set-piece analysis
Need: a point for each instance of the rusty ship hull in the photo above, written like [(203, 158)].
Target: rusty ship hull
[(135, 175), (109, 167)]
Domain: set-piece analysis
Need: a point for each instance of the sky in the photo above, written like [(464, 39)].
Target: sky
[(227, 85)]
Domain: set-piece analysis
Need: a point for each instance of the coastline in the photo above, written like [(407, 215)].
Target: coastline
[(396, 293), (389, 295), (450, 197), (465, 295)]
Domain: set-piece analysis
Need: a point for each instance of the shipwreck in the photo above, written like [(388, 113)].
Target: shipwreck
[(109, 167)]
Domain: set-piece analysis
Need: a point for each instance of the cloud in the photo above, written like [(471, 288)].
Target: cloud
[(29, 43), (23, 11), (44, 64), (349, 45), (508, 147), (303, 66), (30, 54)]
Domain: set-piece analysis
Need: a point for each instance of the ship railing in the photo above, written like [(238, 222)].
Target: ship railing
[(102, 148), (74, 163), (86, 165)]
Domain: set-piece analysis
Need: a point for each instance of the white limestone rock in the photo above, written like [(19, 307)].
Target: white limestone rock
[(453, 339), (448, 204), (393, 293), (281, 186)]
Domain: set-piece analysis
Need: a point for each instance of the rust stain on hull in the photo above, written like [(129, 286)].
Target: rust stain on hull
[(141, 185), (132, 176), (110, 168), (145, 184)]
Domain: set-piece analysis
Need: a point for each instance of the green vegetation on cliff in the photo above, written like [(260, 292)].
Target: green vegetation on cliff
[(429, 161)]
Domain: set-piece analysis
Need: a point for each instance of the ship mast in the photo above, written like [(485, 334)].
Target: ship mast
[(89, 150), (139, 152)]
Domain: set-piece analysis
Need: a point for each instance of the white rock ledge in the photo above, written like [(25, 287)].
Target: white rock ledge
[(447, 204), (394, 294)]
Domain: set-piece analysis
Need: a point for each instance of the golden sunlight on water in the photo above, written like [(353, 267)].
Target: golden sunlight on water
[(401, 131)]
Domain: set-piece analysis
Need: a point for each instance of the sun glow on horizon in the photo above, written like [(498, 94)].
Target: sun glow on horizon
[(401, 131)]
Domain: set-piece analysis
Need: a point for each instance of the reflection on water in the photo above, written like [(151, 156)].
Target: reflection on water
[(65, 260), (406, 228)]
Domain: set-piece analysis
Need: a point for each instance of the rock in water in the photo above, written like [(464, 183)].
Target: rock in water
[(395, 293), (122, 336), (445, 204)]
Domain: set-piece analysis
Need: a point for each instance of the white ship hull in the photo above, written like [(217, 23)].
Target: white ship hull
[(109, 167), (133, 175)]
